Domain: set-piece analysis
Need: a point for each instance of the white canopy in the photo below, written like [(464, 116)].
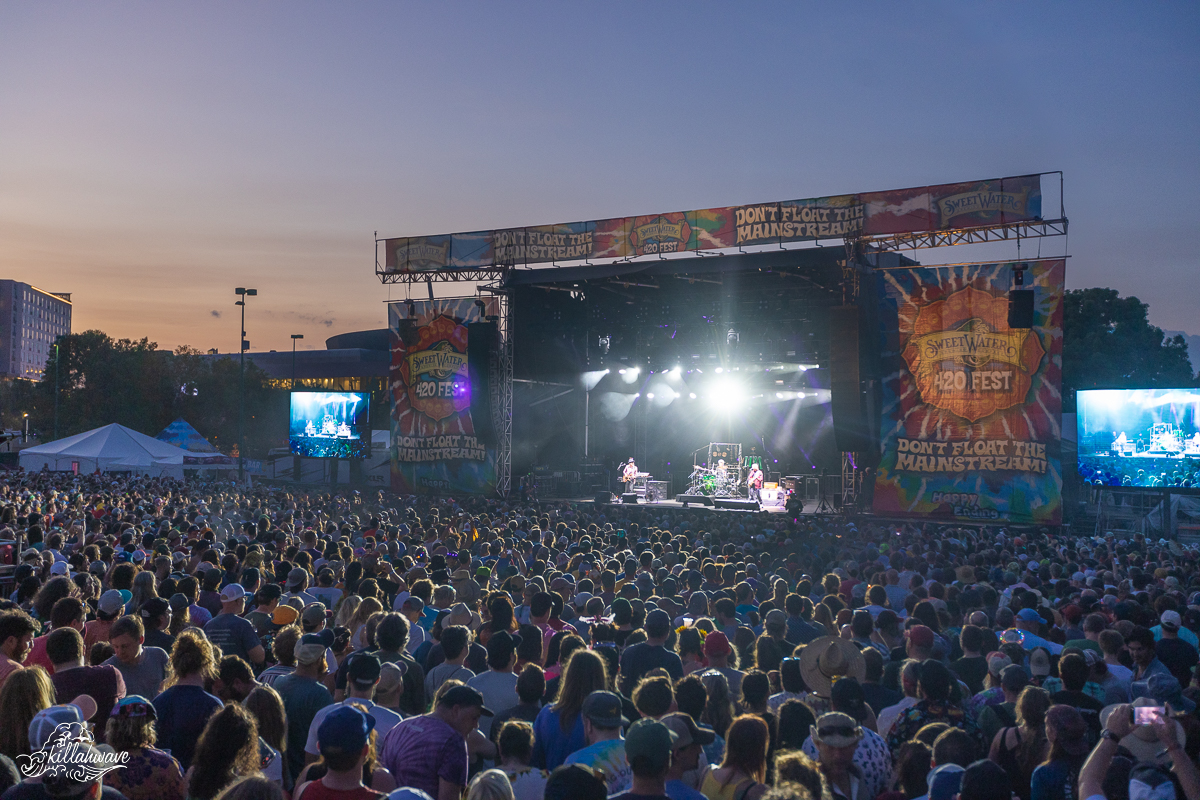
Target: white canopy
[(113, 448)]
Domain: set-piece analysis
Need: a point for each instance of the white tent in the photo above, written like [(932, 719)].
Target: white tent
[(113, 448)]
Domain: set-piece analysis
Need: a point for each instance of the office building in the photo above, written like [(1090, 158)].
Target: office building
[(31, 320)]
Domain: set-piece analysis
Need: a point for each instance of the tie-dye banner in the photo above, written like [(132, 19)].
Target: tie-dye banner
[(435, 446), (952, 206), (972, 410)]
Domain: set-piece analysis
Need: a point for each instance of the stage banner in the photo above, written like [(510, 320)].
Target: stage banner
[(953, 206), (971, 427), (928, 208), (434, 447)]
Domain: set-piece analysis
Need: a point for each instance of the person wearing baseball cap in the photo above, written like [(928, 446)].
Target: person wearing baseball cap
[(343, 740), (642, 657), (363, 674), (1172, 649), (718, 650), (605, 750), (836, 736), (648, 747), (304, 694), (1029, 622), (230, 631), (690, 741), (429, 752)]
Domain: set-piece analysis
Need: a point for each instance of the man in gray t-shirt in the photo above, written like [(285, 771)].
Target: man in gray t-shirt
[(229, 631), (143, 668)]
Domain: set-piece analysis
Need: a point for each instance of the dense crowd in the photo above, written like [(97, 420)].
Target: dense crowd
[(1155, 472), (167, 640)]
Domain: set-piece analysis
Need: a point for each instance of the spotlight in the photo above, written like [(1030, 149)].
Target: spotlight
[(727, 394), (605, 343), (692, 395), (732, 337), (719, 370), (650, 395)]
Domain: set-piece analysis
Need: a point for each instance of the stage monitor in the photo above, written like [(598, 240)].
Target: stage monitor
[(1139, 437), (330, 425)]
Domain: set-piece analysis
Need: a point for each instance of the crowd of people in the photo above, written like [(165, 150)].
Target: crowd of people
[(206, 641)]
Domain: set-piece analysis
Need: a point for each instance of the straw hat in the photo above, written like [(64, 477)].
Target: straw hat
[(827, 658)]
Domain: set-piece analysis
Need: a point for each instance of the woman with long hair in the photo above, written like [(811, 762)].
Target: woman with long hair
[(55, 589), (743, 773), (149, 773), (144, 588), (1020, 749), (27, 690), (691, 650), (227, 750), (184, 706), (254, 787), (1058, 775), (558, 729), (718, 709), (347, 609), (743, 643), (358, 622), (265, 704), (795, 718)]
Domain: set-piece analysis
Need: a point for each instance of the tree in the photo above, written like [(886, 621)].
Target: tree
[(102, 380), (1109, 343)]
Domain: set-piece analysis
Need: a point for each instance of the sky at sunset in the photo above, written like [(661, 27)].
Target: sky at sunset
[(153, 156)]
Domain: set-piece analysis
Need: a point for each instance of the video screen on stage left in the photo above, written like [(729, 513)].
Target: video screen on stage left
[(330, 425), (1139, 437)]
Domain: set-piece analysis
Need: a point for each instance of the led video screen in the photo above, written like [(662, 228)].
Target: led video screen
[(1139, 437), (330, 425)]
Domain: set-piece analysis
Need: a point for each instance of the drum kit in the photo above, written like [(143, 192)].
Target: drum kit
[(717, 471)]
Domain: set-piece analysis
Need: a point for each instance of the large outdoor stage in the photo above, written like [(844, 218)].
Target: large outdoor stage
[(711, 352)]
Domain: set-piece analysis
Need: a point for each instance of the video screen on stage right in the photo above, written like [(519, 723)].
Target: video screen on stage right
[(1139, 437)]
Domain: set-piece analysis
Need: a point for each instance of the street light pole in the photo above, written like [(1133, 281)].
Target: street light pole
[(56, 391), (26, 427), (295, 336), (243, 345)]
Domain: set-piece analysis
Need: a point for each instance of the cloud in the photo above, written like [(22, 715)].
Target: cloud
[(215, 313)]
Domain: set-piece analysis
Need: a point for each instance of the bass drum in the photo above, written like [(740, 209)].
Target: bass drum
[(708, 484)]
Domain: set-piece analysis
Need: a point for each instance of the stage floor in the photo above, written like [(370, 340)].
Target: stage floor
[(811, 506)]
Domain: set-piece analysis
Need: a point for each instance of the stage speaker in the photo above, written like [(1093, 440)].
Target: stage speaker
[(694, 499), (845, 385), (1020, 308), (740, 505), (629, 497), (603, 498), (482, 341)]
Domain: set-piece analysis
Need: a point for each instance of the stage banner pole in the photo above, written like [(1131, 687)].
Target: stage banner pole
[(435, 449), (972, 409)]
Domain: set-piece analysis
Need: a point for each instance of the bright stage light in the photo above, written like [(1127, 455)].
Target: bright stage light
[(630, 374), (650, 395), (692, 395), (727, 394), (719, 370)]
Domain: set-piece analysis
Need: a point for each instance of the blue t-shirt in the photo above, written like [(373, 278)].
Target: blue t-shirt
[(550, 746), (182, 713), (678, 790)]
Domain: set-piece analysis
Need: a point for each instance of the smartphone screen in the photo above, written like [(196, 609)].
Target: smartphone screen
[(1148, 715)]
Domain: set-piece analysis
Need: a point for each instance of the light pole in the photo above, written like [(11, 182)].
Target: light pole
[(295, 336), (26, 415), (244, 346), (56, 391)]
